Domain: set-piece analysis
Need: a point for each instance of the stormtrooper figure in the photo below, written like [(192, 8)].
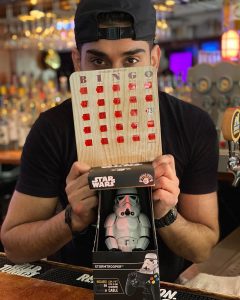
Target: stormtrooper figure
[(127, 228), (146, 279)]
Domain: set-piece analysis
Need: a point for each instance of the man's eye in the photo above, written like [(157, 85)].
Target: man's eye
[(132, 60), (97, 61)]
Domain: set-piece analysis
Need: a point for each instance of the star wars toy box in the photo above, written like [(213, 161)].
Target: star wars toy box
[(125, 257), (117, 128)]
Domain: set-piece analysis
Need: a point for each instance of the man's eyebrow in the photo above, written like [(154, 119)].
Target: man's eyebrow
[(133, 52), (97, 53), (104, 55)]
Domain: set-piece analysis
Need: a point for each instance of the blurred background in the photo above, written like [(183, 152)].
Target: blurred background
[(200, 44)]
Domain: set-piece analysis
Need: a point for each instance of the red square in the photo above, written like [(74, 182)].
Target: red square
[(104, 141), (86, 117), (132, 86), (133, 99), (103, 128), (102, 115), (99, 89), (134, 125), (116, 87), (150, 123), (83, 90), (116, 101), (101, 102), (148, 85), (149, 98), (119, 126), (152, 136), (87, 129), (84, 103), (136, 138), (133, 112), (120, 139), (118, 114), (88, 143)]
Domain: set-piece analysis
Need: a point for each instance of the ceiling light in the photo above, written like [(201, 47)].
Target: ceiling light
[(33, 2), (25, 18), (37, 14), (170, 2), (230, 44)]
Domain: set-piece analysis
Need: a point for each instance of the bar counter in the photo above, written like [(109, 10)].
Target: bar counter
[(51, 280), (11, 157), (14, 287)]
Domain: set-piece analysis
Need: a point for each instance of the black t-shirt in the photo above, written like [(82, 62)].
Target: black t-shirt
[(187, 133)]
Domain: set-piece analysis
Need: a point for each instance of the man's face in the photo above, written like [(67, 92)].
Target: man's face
[(107, 54)]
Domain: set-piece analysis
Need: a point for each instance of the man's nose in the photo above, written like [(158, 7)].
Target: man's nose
[(117, 65)]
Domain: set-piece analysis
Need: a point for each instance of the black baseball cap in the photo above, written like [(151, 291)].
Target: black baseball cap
[(87, 28)]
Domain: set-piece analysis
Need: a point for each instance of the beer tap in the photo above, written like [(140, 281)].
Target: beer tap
[(231, 133)]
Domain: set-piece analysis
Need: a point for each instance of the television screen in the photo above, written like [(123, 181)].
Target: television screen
[(180, 62), (210, 46)]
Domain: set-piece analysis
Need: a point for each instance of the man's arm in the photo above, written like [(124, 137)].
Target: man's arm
[(32, 231), (195, 231)]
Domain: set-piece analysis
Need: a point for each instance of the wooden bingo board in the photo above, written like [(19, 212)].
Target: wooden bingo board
[(116, 115)]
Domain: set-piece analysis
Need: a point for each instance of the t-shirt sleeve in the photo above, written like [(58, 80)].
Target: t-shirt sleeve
[(40, 167), (200, 176)]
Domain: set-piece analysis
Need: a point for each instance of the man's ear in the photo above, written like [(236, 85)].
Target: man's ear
[(155, 56), (76, 58)]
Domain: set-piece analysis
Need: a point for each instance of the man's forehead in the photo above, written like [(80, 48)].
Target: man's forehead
[(118, 46)]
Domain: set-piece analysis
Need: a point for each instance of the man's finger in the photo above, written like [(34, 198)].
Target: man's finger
[(164, 159), (77, 169), (164, 169)]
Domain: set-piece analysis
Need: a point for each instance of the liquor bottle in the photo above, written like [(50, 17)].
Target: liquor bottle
[(63, 88), (4, 134), (12, 109), (23, 125), (231, 15), (13, 128)]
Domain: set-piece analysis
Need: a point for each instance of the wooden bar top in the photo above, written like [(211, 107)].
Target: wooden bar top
[(14, 287), (62, 281)]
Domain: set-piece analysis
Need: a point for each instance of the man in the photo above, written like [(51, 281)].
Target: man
[(115, 34)]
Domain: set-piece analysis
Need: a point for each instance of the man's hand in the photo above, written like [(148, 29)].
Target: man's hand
[(166, 189), (82, 199)]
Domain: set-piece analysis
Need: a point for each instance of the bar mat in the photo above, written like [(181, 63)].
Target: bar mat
[(45, 271), (70, 277), (31, 270), (186, 295)]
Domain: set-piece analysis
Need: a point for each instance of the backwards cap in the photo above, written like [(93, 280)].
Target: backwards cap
[(87, 27)]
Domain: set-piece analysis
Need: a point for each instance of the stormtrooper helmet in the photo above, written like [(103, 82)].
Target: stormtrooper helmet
[(150, 264), (126, 203)]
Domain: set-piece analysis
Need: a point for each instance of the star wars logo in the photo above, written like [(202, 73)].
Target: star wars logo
[(104, 181)]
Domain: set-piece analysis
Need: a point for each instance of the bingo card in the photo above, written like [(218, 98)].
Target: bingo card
[(116, 115)]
